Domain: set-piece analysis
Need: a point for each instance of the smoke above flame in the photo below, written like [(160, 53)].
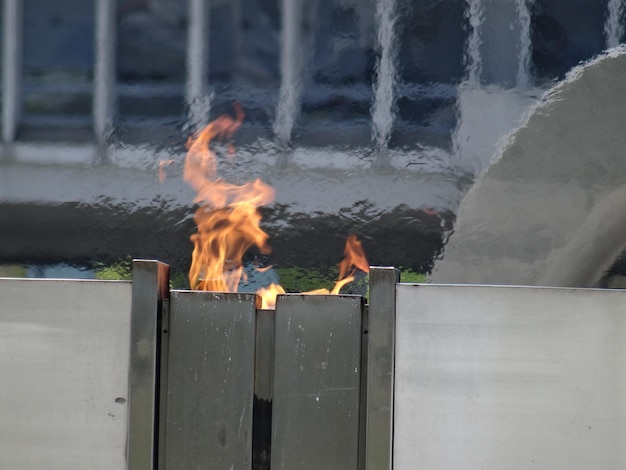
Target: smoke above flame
[(228, 220)]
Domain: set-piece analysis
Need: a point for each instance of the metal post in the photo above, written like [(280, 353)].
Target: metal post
[(380, 368), (104, 70), (12, 50), (198, 63), (150, 287)]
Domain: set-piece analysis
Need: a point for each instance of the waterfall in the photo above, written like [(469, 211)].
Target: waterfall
[(613, 27), (474, 63), (382, 109), (525, 45), (499, 44), (291, 65), (197, 96), (497, 90)]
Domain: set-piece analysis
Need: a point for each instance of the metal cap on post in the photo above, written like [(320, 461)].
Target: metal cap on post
[(380, 368), (150, 288)]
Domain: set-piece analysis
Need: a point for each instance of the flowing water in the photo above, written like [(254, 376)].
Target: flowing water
[(614, 27), (331, 89), (291, 69), (551, 210), (384, 95), (497, 90), (524, 78)]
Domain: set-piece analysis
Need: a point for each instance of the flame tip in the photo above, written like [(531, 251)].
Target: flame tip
[(228, 219)]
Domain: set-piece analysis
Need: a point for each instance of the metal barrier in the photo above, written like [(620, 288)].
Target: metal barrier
[(64, 362), (432, 376), (243, 387), (501, 377)]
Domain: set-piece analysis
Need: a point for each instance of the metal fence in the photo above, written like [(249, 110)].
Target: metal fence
[(426, 376)]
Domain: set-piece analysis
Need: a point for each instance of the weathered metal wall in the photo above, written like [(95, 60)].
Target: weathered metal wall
[(64, 362), (317, 379), (210, 381), (297, 372), (516, 378), (472, 377)]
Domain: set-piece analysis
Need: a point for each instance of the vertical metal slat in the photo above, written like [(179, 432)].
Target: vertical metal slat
[(380, 368), (210, 383), (317, 367), (263, 382), (163, 380), (12, 50), (150, 287)]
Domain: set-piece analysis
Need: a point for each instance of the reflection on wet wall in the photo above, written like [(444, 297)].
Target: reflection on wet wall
[(368, 117)]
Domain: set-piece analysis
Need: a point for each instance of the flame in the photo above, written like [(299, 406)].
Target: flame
[(354, 258), (268, 295), (228, 220)]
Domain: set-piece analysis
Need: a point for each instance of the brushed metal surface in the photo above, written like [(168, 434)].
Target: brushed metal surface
[(264, 370), (150, 287), (380, 366), (210, 381), (317, 365), (515, 378), (64, 362)]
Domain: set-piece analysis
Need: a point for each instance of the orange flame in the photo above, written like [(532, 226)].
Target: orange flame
[(228, 220), (354, 258), (268, 295)]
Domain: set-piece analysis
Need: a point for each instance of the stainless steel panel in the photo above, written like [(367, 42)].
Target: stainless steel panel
[(380, 365), (515, 378), (317, 365), (210, 381), (150, 287), (64, 374)]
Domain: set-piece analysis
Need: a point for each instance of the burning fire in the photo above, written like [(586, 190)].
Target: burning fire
[(228, 220), (354, 258), (268, 295)]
